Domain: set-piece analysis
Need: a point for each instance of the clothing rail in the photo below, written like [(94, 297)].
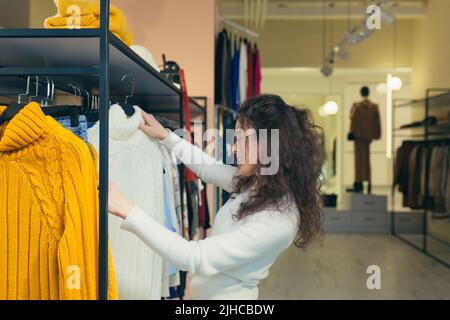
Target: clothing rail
[(240, 28)]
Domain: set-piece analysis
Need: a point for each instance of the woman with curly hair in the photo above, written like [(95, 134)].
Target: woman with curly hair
[(265, 214)]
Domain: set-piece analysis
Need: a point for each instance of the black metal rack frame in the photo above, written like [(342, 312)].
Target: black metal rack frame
[(434, 98), (219, 108), (95, 60)]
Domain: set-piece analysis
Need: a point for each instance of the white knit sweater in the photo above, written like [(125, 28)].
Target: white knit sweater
[(136, 167), (230, 263)]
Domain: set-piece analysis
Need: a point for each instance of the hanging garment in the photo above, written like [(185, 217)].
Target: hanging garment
[(207, 224), (80, 131), (257, 72), (204, 219), (401, 168), (169, 215), (192, 201), (201, 208), (219, 77), (249, 70), (243, 76), (447, 187), (236, 75), (445, 180), (188, 174), (228, 67), (176, 190), (434, 182), (48, 212), (88, 17), (438, 178), (136, 167), (423, 174), (414, 178)]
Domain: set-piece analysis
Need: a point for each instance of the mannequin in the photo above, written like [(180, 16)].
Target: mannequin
[(364, 128)]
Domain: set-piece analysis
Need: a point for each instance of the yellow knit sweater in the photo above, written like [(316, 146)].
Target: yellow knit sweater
[(87, 15), (48, 211)]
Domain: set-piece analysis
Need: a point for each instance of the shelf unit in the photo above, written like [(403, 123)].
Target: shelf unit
[(435, 99), (95, 60)]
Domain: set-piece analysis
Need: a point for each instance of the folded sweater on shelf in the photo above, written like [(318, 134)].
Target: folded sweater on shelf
[(85, 14)]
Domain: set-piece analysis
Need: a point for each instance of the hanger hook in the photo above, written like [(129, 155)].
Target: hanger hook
[(27, 92), (79, 95), (75, 92), (37, 90), (52, 96), (132, 86)]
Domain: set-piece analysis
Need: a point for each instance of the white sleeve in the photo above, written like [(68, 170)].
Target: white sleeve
[(263, 232), (203, 165)]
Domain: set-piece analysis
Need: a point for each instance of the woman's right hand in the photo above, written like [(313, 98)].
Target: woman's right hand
[(152, 127)]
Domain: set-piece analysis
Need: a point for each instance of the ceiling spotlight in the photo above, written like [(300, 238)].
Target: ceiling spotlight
[(387, 17), (331, 57), (327, 70), (344, 55), (395, 84)]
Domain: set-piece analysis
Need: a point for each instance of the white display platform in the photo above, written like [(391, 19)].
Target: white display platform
[(359, 213), (364, 202), (345, 221)]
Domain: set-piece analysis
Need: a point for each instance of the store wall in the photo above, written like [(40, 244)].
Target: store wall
[(431, 49), (39, 11), (294, 43), (14, 14), (183, 30)]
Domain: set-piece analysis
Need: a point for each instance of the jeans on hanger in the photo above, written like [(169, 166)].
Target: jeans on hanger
[(80, 131)]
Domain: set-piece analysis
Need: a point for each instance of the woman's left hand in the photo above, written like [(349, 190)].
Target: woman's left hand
[(118, 204)]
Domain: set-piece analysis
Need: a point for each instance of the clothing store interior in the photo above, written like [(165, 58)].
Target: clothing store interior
[(374, 74)]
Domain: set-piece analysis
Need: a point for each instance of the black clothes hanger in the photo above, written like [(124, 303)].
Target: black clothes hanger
[(72, 111), (129, 108), (11, 112), (92, 113), (13, 109), (68, 110)]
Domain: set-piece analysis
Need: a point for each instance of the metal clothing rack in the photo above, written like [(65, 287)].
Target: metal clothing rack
[(240, 28), (435, 98), (95, 60)]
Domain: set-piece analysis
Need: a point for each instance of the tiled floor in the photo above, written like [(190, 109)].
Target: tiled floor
[(337, 270)]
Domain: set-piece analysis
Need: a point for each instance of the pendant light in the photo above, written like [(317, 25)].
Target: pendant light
[(330, 108)]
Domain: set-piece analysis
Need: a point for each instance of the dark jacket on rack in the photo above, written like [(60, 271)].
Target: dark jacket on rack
[(220, 51)]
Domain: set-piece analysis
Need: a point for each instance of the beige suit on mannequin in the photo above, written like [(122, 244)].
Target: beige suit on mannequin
[(366, 127)]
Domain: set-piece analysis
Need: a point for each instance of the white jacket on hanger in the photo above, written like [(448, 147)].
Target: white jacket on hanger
[(136, 167), (243, 73)]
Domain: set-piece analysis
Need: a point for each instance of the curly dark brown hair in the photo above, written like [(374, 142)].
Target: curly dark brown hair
[(300, 160)]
